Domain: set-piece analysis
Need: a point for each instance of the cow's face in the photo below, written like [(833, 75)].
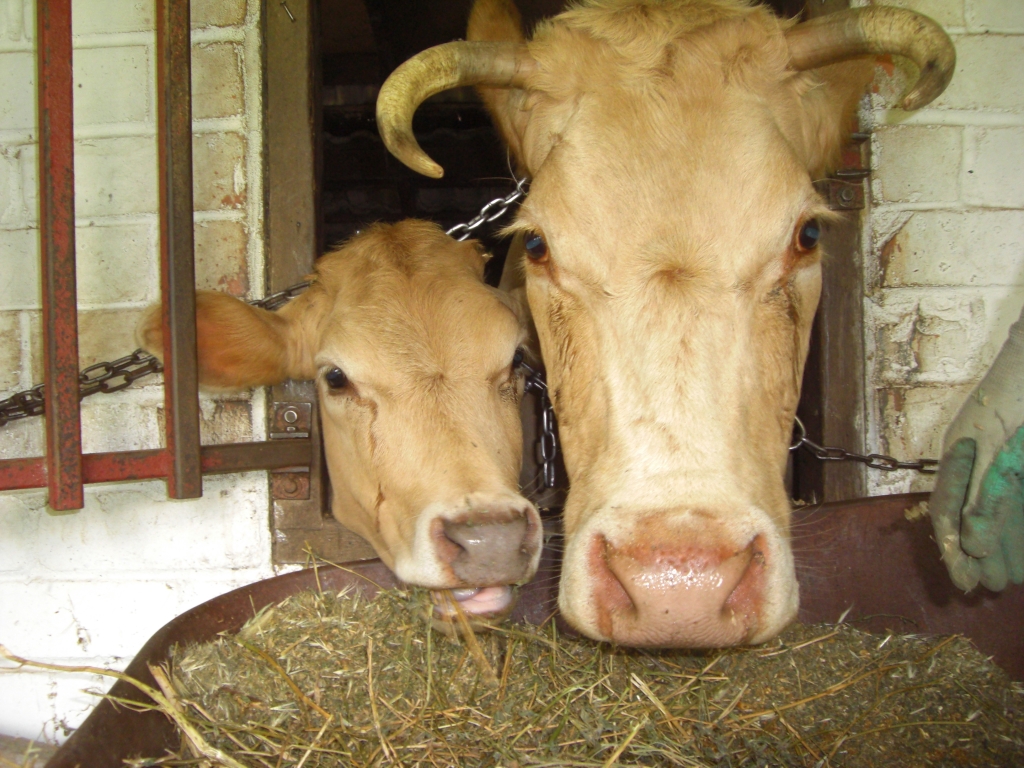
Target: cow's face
[(673, 290), (413, 356), (672, 270)]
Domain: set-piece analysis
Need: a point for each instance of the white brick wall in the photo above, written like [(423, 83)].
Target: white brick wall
[(92, 586), (945, 268)]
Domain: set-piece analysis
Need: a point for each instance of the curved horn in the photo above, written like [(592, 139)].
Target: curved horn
[(500, 65), (859, 32)]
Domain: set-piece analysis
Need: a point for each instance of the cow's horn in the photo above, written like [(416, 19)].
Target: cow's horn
[(864, 31), (501, 65)]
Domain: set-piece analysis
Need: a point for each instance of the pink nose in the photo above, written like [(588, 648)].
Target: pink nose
[(676, 596), (489, 547)]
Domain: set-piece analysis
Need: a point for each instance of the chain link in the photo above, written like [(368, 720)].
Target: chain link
[(872, 460), (492, 211), (547, 444), (279, 299), (102, 377)]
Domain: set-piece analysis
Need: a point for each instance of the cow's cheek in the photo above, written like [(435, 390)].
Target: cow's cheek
[(358, 497)]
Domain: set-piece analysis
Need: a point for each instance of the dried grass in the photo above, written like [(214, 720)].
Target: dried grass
[(333, 679)]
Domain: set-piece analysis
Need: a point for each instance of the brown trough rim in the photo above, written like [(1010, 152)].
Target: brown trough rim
[(867, 556)]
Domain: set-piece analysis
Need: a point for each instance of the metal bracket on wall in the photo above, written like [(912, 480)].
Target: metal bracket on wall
[(846, 184), (845, 195), (290, 420)]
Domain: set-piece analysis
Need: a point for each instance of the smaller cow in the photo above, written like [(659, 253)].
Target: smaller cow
[(416, 364)]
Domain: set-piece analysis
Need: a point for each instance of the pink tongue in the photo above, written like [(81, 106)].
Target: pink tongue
[(483, 600)]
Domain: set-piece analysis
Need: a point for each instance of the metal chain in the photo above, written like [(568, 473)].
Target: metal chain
[(493, 211), (111, 377), (547, 444), (872, 460), (102, 377)]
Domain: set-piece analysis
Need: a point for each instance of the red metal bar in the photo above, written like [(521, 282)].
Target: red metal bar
[(57, 233), (16, 474), (174, 134)]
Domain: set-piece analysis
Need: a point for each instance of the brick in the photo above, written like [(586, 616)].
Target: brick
[(115, 176), (35, 343), (987, 74), (23, 438), (113, 423), (17, 103), (1000, 15), (20, 512), (917, 164), (915, 420), (18, 186), (995, 168), (221, 257), (106, 334), (219, 163), (133, 529), (225, 421), (19, 269), (117, 263), (950, 248), (923, 338), (217, 87), (10, 351), (90, 17), (948, 13), (96, 69), (217, 13)]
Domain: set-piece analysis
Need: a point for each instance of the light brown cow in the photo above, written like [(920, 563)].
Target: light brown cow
[(413, 356), (672, 271)]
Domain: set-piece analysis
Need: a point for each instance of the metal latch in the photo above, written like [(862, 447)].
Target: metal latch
[(290, 420)]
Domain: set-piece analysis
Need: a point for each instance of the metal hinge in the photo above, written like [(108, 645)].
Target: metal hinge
[(290, 420)]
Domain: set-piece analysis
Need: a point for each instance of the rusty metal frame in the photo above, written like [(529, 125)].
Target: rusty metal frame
[(64, 469), (57, 254), (177, 248)]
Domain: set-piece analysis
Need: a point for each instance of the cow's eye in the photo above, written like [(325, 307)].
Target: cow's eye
[(336, 378), (536, 248), (517, 358), (808, 235)]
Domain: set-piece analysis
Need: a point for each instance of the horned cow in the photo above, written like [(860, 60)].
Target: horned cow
[(415, 360), (672, 268)]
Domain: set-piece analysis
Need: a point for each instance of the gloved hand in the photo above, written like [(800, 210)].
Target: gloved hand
[(977, 507)]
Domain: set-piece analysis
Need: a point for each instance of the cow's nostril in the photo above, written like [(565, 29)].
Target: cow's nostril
[(490, 547), (676, 596)]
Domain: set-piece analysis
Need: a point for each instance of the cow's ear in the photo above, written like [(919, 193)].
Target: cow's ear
[(828, 98), (499, 21), (240, 346)]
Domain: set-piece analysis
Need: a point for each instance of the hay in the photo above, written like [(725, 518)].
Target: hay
[(333, 679)]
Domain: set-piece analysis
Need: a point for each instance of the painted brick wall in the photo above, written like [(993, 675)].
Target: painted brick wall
[(945, 268), (91, 587)]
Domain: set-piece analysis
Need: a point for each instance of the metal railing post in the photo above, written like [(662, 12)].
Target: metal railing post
[(57, 253), (177, 251)]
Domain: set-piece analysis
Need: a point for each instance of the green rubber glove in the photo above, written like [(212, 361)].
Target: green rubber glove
[(977, 507)]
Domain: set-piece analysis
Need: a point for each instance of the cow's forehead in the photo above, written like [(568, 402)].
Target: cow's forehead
[(629, 182), (390, 328)]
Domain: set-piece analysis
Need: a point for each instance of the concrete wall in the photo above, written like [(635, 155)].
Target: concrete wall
[(945, 265), (91, 587)]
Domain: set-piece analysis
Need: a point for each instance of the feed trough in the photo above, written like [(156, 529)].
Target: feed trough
[(867, 555)]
